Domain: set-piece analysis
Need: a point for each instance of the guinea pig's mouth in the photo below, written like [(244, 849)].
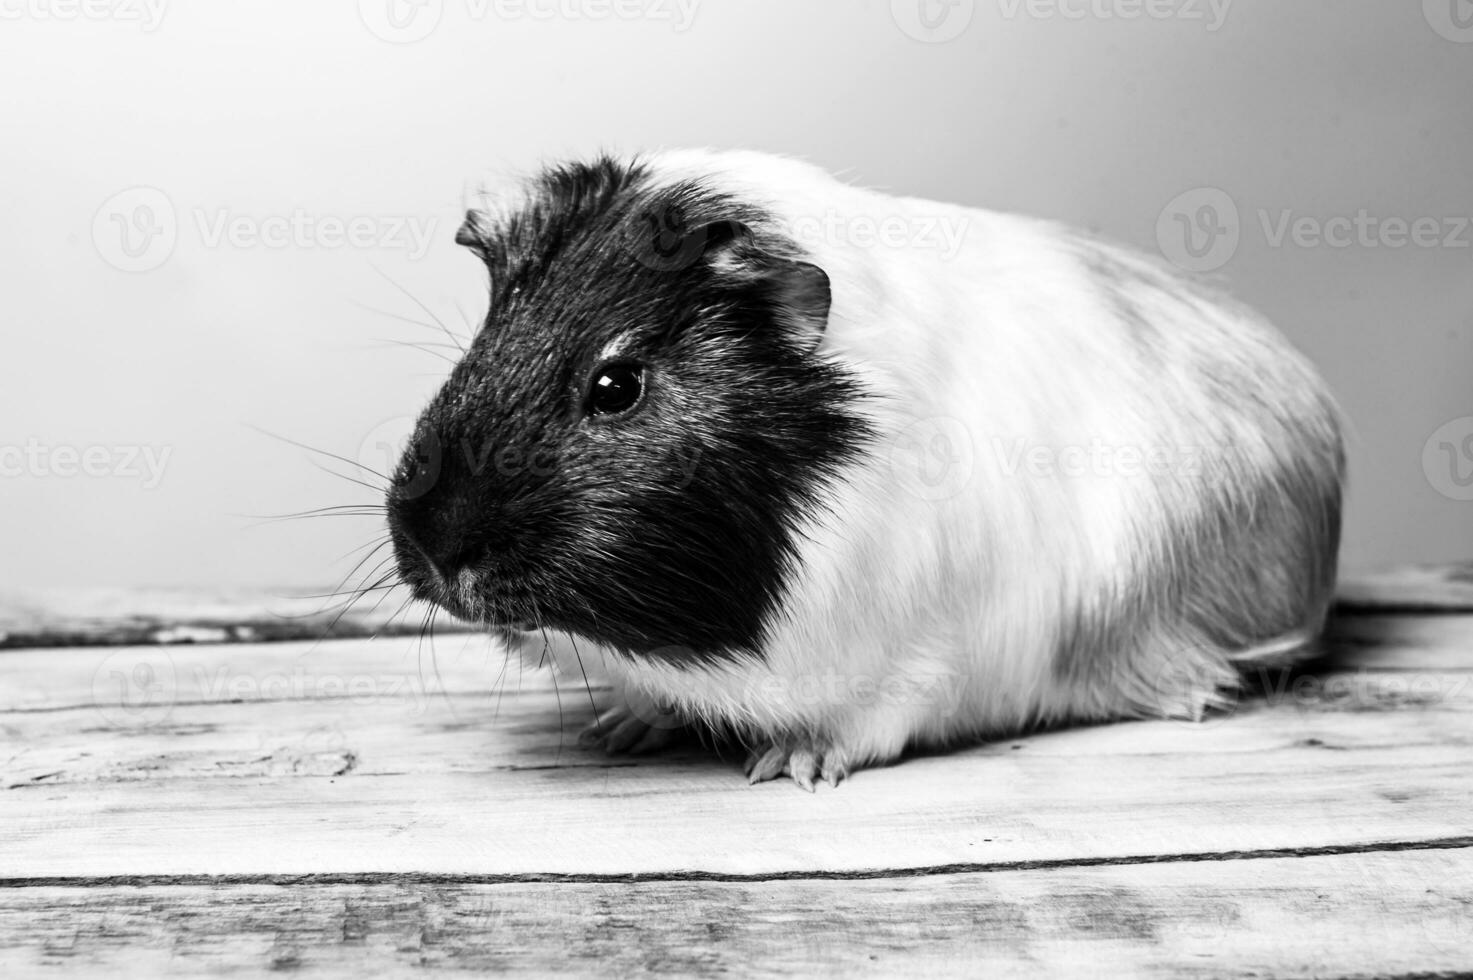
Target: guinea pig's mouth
[(476, 611), (466, 597), (473, 595)]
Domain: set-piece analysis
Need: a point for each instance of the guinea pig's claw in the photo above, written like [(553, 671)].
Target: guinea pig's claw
[(766, 764), (622, 732), (803, 763), (834, 771)]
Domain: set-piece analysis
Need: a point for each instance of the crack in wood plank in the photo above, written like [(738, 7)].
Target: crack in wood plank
[(865, 874), (1338, 915)]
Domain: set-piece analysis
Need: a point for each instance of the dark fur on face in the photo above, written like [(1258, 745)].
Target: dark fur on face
[(671, 525)]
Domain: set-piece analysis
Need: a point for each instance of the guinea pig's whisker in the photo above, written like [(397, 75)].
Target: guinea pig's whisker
[(370, 583), (588, 688), (404, 319), (556, 691), (365, 559), (427, 311), (351, 479), (393, 616), (348, 606), (418, 344), (351, 595), (381, 582), (419, 645), (387, 592), (357, 595), (374, 543), (427, 632), (435, 663), (348, 592), (423, 348), (324, 452), (342, 510), (377, 573), (343, 610), (499, 686), (470, 324)]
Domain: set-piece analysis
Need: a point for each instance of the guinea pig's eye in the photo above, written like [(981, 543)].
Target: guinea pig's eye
[(616, 388)]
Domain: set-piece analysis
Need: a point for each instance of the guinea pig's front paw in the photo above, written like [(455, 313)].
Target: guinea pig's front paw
[(622, 731), (802, 759)]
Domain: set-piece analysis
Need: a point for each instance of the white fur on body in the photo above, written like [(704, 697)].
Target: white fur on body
[(1110, 430)]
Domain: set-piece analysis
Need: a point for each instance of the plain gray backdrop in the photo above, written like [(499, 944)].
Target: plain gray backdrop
[(179, 180)]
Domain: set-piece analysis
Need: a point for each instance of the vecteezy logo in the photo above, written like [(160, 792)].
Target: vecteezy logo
[(1447, 459), (1451, 19), (382, 449), (933, 458), (401, 21), (664, 241), (136, 230), (135, 687), (933, 21), (1200, 230)]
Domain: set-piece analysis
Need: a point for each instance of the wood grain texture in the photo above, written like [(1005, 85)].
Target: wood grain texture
[(434, 733), (1334, 915), (445, 776), (1416, 588), (43, 679), (115, 617), (336, 806), (119, 617)]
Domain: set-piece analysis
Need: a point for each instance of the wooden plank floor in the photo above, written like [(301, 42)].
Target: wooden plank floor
[(352, 806)]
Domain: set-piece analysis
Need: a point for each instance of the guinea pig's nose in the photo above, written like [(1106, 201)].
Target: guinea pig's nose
[(448, 552), (455, 556)]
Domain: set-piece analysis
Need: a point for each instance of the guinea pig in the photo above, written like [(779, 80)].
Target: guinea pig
[(837, 474)]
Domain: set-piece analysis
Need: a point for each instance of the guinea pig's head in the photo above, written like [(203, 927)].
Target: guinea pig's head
[(632, 441)]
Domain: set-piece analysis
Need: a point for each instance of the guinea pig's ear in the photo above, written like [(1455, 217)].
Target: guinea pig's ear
[(475, 234), (804, 298), (801, 289)]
